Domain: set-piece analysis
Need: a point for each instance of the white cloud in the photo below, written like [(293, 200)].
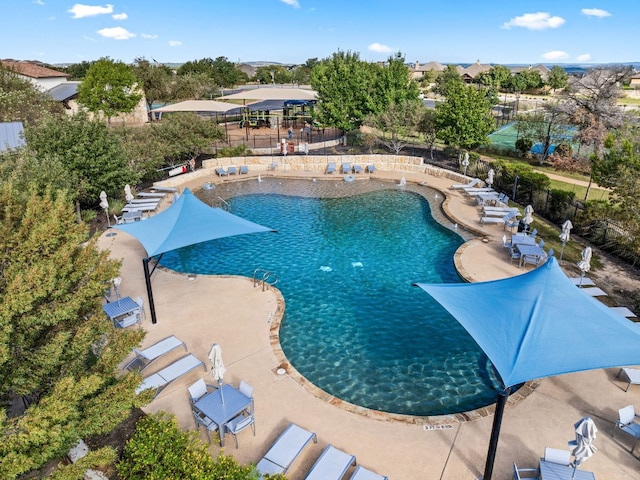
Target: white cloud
[(555, 55), (116, 33), (535, 21), (174, 43), (585, 57), (38, 2), (120, 16), (148, 36), (293, 3), (81, 11), (595, 12), (379, 48)]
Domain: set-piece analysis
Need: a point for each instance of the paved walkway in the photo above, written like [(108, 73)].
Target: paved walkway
[(241, 318)]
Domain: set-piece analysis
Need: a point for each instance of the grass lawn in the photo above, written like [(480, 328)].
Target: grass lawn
[(580, 191)]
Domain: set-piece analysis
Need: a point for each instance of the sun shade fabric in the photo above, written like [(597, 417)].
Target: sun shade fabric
[(199, 106), (272, 93), (187, 222), (539, 324)]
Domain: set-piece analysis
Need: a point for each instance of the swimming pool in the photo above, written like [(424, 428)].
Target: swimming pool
[(347, 255)]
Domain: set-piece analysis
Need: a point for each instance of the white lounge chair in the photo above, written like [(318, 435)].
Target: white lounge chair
[(627, 423), (145, 357), (522, 473), (161, 380), (632, 376), (586, 281), (331, 167), (460, 186), (594, 291), (285, 450), (498, 220), (361, 473), (331, 465), (624, 311)]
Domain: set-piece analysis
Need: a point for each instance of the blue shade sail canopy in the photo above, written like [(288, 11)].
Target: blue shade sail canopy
[(187, 222), (539, 324)]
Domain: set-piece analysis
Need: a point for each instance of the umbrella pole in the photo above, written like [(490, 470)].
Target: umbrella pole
[(495, 433)]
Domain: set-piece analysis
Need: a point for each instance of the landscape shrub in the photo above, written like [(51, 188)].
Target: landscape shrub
[(160, 450), (523, 145), (560, 205), (239, 151)]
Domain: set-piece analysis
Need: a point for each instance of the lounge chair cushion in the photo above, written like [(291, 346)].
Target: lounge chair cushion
[(144, 357), (331, 465), (159, 381), (285, 450)]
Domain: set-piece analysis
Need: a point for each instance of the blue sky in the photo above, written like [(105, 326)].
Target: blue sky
[(291, 31)]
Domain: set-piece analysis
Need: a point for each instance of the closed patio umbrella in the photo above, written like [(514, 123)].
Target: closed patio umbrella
[(104, 204), (490, 175), (127, 193), (583, 447), (585, 264), (217, 365), (565, 235), (528, 216), (465, 162)]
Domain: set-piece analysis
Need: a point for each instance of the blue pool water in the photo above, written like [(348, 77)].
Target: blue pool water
[(354, 324)]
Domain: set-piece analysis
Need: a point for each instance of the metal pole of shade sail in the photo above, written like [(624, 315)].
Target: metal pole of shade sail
[(495, 432)]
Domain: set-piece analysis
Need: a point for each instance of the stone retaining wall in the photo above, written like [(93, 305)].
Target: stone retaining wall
[(316, 164)]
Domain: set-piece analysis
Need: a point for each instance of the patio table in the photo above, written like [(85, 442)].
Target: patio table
[(222, 405), (529, 251), (120, 308), (522, 239), (555, 471)]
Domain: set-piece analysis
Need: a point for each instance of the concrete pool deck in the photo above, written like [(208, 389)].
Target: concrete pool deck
[(202, 310)]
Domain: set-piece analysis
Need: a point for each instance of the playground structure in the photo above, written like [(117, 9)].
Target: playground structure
[(294, 113)]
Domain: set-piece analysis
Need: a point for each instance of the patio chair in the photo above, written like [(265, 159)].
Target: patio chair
[(161, 380), (232, 170), (534, 232), (361, 473), (541, 243), (506, 243), (146, 357), (221, 172), (632, 376), (531, 260), (204, 421), (140, 302), (514, 254), (512, 223), (247, 390), (331, 465), (285, 450), (504, 202), (199, 389), (520, 473), (346, 168), (240, 423), (556, 455), (371, 168), (127, 321), (627, 423), (357, 169), (460, 186), (244, 169), (331, 167)]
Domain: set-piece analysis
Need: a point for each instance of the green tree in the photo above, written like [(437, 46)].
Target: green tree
[(20, 100), (427, 127), (500, 76), (450, 76), (464, 119), (155, 81), (77, 71), (57, 352), (558, 78), (546, 127), (269, 74), (89, 151), (397, 123), (393, 84), (531, 78), (344, 85), (110, 88)]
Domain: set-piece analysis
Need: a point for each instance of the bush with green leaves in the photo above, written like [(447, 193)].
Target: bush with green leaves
[(523, 145), (227, 152), (160, 450)]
